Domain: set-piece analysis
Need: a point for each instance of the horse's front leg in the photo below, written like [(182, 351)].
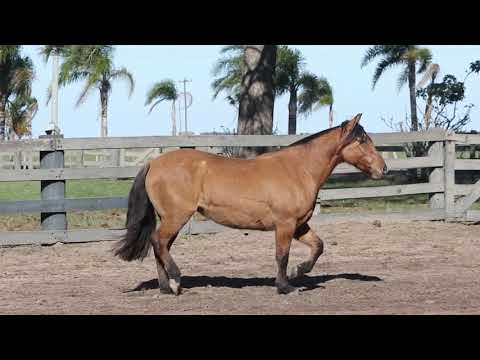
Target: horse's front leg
[(306, 235), (283, 237)]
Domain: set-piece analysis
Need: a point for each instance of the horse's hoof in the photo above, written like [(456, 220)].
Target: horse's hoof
[(283, 290), (295, 273), (175, 287), (167, 291)]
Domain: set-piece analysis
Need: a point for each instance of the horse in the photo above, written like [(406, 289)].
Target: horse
[(275, 191)]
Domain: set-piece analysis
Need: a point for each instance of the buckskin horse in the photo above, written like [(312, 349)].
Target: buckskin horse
[(276, 191)]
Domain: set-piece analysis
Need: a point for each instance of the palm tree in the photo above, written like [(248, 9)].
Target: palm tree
[(430, 76), (160, 91), (20, 113), (94, 65), (228, 71), (16, 76), (290, 77), (407, 56)]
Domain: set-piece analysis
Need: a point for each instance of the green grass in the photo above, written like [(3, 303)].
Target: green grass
[(30, 190)]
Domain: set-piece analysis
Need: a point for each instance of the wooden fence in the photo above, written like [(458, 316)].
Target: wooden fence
[(448, 201)]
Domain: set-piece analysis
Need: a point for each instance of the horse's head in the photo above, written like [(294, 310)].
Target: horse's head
[(357, 149)]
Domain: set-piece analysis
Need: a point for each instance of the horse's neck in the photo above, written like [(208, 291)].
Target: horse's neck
[(321, 156)]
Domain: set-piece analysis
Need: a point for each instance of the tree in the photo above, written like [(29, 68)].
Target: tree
[(94, 65), (163, 91), (407, 56), (257, 95), (228, 72), (446, 98), (16, 76), (20, 113), (429, 76), (290, 77)]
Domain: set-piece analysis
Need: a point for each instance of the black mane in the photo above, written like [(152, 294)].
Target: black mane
[(358, 131)]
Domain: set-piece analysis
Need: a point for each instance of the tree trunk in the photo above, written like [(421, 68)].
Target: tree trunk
[(413, 98), (3, 118), (104, 110), (417, 148), (257, 94), (428, 107), (292, 113), (330, 116)]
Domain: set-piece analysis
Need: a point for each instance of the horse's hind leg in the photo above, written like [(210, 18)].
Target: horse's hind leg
[(163, 239), (283, 237), (306, 235)]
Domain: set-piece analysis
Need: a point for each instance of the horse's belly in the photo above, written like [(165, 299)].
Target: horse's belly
[(256, 217)]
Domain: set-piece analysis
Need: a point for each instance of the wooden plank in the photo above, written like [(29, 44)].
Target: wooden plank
[(463, 189), (230, 140), (472, 215), (27, 145), (436, 201), (465, 139), (467, 164), (462, 205), (132, 171), (415, 215), (90, 204), (449, 180), (86, 204), (380, 191), (397, 164), (15, 238), (380, 139), (69, 173)]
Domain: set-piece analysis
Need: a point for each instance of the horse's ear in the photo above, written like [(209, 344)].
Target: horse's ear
[(350, 126)]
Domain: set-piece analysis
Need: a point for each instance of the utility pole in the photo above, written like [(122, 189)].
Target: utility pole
[(54, 109), (184, 81)]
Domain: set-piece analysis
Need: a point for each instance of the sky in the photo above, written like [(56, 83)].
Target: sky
[(340, 64)]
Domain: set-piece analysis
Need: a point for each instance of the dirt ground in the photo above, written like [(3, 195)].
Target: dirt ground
[(397, 268)]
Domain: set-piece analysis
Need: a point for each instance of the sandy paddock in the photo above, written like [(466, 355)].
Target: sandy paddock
[(395, 268)]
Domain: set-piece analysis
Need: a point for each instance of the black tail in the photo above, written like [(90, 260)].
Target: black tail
[(141, 222)]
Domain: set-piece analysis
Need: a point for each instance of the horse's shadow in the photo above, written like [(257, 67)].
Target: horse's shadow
[(305, 283)]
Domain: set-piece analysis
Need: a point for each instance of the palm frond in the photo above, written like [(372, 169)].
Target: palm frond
[(316, 92), (430, 74), (21, 111), (402, 79), (424, 58), (87, 88), (383, 65), (380, 50), (9, 51), (124, 74), (163, 90)]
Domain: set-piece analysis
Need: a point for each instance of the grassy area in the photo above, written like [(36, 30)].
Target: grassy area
[(114, 218), (30, 190)]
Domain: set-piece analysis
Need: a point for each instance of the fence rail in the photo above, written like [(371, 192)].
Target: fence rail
[(448, 201)]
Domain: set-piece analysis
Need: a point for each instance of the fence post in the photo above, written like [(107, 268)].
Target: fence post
[(449, 180), (17, 160), (52, 189), (437, 201)]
